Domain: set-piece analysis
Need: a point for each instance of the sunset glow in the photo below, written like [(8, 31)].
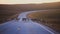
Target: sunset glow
[(26, 1)]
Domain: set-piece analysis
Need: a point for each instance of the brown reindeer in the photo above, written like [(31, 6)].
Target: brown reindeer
[(25, 19), (13, 17)]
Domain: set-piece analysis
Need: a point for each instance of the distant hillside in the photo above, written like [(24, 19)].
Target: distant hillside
[(6, 11), (24, 7)]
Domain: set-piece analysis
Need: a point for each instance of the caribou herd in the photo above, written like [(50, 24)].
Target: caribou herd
[(27, 19), (34, 20)]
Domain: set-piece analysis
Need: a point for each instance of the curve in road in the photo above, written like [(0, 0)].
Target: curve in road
[(23, 27)]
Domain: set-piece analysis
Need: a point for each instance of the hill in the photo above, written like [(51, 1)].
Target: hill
[(8, 10)]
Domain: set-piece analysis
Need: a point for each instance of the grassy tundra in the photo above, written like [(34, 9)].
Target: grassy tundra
[(50, 18), (8, 11)]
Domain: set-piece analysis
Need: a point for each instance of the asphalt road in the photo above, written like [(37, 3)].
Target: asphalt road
[(23, 27)]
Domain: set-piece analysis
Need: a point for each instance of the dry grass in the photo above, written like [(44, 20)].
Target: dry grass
[(8, 11), (50, 18)]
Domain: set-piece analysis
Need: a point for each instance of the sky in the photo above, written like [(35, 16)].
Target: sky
[(26, 1)]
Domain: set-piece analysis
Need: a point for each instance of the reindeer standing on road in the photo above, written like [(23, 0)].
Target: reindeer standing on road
[(25, 19)]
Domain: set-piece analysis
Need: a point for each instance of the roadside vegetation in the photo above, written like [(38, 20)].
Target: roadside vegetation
[(50, 18)]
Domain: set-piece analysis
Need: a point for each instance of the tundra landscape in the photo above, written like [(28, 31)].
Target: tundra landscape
[(49, 12)]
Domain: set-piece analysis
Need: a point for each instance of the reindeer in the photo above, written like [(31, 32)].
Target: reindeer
[(13, 17), (34, 19), (25, 19)]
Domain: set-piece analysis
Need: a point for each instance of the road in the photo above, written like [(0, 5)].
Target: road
[(23, 27)]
